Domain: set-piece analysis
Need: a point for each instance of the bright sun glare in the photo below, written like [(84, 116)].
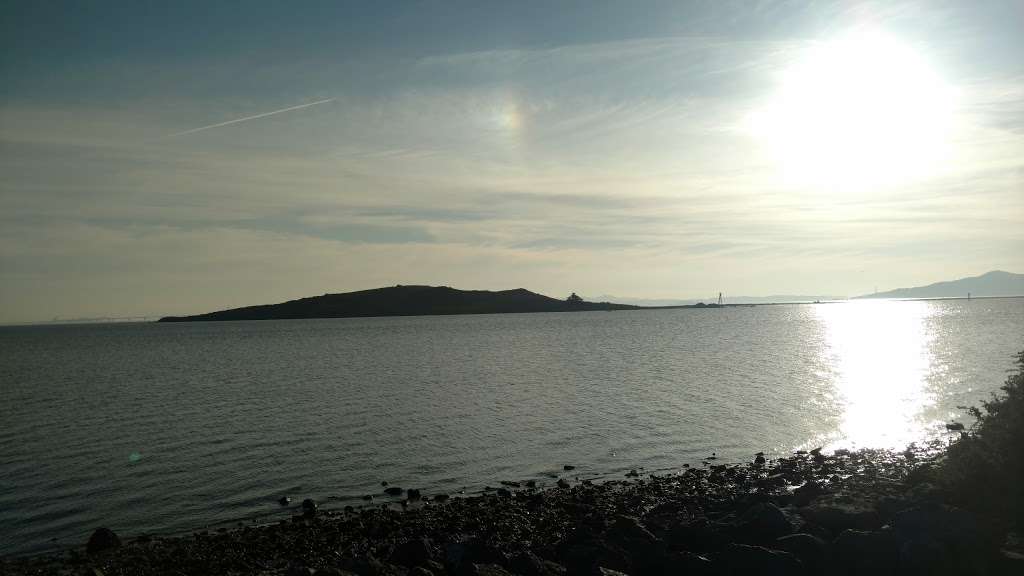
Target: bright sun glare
[(862, 111)]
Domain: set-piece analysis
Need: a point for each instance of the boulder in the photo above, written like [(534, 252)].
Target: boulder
[(810, 550), (416, 552), (838, 515), (865, 553), (807, 493), (487, 570), (562, 483), (309, 508), (393, 491), (102, 539), (744, 560), (413, 494), (527, 564), (763, 522)]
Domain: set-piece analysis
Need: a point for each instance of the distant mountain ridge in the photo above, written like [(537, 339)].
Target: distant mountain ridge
[(404, 301), (994, 283)]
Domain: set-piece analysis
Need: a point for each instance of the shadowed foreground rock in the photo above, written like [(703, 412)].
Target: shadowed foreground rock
[(866, 514)]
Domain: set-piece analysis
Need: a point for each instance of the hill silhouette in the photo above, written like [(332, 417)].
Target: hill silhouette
[(994, 283), (405, 301)]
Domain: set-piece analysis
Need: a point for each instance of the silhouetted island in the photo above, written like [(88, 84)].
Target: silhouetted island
[(406, 301)]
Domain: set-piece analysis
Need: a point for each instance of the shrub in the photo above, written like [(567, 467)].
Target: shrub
[(984, 470)]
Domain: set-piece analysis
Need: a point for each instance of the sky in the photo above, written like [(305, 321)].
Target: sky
[(180, 157)]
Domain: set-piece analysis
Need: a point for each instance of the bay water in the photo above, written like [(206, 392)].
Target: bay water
[(167, 428)]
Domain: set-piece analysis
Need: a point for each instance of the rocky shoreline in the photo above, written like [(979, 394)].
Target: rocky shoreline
[(861, 512)]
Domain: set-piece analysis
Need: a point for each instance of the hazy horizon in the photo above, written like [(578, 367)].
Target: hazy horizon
[(182, 158)]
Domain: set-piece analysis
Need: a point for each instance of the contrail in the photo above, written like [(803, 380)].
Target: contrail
[(237, 120)]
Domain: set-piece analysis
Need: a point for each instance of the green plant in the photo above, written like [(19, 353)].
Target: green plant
[(984, 470)]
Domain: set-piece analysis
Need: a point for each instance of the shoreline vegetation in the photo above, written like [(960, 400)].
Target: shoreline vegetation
[(929, 509)]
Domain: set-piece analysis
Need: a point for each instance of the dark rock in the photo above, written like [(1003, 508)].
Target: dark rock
[(309, 508), (413, 494), (924, 557), (807, 493), (759, 459), (527, 564), (487, 570), (632, 473), (504, 493), (284, 501), (367, 497), (531, 483), (810, 550), (567, 467), (857, 552), (837, 515), (298, 570), (763, 523), (562, 483), (744, 560), (415, 552), (383, 482), (585, 558), (370, 566), (510, 483), (102, 539), (686, 563), (393, 491), (441, 498), (971, 542)]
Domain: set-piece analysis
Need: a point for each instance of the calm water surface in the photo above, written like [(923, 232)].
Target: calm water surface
[(165, 428)]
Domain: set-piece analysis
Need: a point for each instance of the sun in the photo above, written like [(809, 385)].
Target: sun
[(863, 111)]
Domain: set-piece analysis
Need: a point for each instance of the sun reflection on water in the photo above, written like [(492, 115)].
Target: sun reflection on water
[(881, 354)]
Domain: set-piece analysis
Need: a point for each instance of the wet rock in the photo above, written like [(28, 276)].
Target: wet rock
[(568, 467), (562, 483), (763, 522), (416, 552), (367, 497), (393, 491), (284, 501), (809, 549), (759, 459), (413, 494), (510, 483), (102, 539), (309, 508), (744, 560), (441, 498), (632, 473), (503, 493), (531, 483)]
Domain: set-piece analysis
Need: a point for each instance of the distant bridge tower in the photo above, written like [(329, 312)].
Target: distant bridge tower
[(719, 298)]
